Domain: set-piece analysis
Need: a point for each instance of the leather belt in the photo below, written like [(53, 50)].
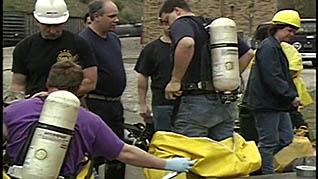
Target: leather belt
[(101, 97), (202, 85)]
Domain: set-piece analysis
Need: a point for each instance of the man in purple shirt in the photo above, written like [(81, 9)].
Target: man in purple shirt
[(92, 136)]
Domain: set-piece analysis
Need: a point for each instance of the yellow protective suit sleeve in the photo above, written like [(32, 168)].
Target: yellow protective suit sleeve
[(296, 64), (294, 58)]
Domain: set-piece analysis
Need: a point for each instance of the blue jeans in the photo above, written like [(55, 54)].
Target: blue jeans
[(275, 132), (162, 117), (205, 116)]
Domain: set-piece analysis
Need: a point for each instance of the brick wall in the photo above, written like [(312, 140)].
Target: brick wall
[(246, 13)]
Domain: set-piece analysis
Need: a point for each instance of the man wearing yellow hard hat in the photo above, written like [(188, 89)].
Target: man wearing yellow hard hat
[(272, 92)]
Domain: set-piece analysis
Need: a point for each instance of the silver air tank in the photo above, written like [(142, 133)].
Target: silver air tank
[(224, 53), (52, 136)]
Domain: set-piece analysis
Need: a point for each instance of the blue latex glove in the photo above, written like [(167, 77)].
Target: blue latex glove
[(179, 164)]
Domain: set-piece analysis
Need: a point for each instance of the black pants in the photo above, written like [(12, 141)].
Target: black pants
[(112, 113), (297, 118), (247, 124)]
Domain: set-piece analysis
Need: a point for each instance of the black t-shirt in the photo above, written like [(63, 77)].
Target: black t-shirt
[(34, 57), (187, 27), (155, 61)]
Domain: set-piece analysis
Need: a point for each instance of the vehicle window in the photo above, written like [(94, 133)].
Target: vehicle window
[(308, 28)]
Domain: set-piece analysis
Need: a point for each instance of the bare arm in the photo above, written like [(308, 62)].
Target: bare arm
[(245, 59), (142, 96), (89, 81), (18, 83), (183, 56), (137, 157)]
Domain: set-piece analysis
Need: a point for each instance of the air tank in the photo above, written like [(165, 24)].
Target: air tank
[(52, 136), (224, 53)]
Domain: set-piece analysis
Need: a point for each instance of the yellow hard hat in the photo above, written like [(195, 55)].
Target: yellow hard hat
[(290, 17)]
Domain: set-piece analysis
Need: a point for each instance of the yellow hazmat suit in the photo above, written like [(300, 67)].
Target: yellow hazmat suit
[(296, 64), (231, 157)]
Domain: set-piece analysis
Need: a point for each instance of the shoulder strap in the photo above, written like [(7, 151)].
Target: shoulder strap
[(90, 170), (23, 152), (206, 65), (201, 21)]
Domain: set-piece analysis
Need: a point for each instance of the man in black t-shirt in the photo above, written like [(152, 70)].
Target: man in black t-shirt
[(155, 62), (34, 56), (201, 112)]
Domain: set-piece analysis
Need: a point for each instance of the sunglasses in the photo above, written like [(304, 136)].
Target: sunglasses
[(162, 22)]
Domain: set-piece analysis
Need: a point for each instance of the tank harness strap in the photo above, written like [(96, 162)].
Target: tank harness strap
[(8, 162), (205, 52), (175, 110), (90, 170), (23, 152), (206, 77)]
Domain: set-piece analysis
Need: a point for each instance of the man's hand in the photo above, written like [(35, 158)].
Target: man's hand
[(172, 90), (41, 94), (296, 102), (144, 112), (179, 164)]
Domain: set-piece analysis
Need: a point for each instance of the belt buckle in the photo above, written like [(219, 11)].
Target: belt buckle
[(200, 85)]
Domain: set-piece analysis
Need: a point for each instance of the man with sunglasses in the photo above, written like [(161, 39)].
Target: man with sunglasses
[(105, 100), (34, 56), (155, 62)]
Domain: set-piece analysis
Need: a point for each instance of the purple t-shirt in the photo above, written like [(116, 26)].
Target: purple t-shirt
[(92, 135)]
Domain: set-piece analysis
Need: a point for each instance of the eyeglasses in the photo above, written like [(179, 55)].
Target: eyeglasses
[(112, 16), (162, 22)]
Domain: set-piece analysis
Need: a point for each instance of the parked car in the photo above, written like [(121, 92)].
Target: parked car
[(129, 30), (304, 40)]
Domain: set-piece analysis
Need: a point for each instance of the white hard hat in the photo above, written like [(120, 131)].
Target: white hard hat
[(51, 11)]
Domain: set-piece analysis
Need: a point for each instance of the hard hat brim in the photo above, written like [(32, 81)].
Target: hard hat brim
[(282, 23), (51, 20)]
